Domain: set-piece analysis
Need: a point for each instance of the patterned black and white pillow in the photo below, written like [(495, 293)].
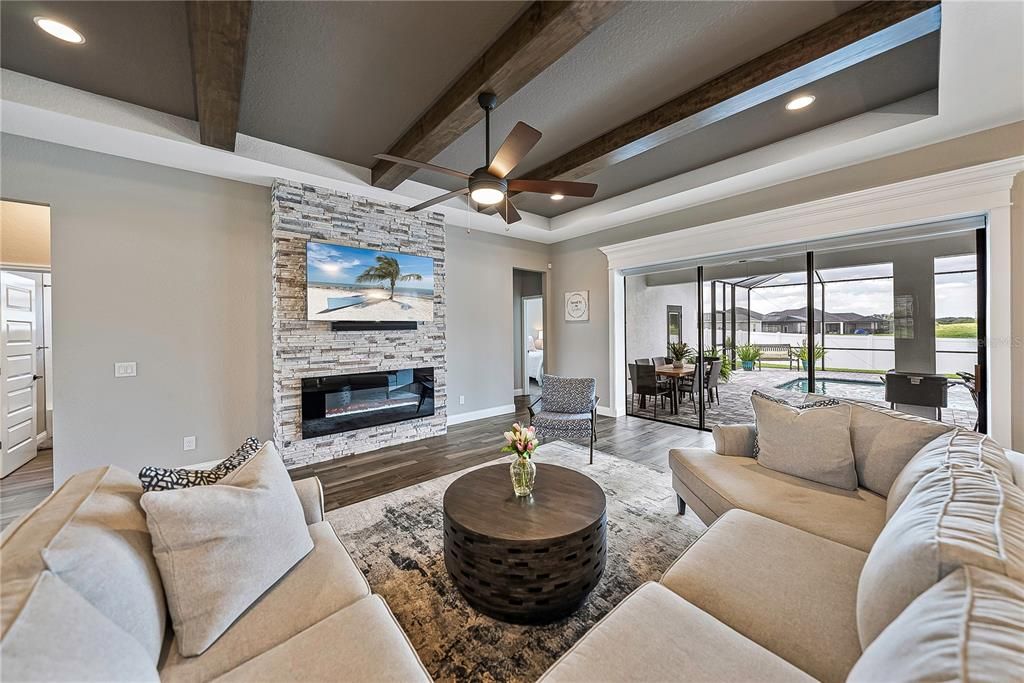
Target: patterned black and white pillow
[(168, 478), (824, 403)]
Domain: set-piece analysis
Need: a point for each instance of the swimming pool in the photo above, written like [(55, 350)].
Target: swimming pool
[(862, 389)]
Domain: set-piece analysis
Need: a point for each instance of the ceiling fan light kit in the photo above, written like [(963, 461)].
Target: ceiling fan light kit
[(488, 185)]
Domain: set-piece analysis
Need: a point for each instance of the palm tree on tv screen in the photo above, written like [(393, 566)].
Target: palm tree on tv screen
[(387, 270)]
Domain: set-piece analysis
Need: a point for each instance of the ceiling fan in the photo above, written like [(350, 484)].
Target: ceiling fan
[(488, 185)]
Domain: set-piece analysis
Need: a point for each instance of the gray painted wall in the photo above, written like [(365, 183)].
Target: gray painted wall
[(481, 332), (159, 266)]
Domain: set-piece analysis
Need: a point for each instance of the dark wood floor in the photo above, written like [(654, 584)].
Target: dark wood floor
[(24, 488), (358, 477)]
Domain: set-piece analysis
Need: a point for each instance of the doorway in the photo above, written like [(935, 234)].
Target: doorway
[(26, 361), (528, 331)]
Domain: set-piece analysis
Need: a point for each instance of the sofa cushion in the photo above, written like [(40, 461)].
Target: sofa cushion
[(59, 636), (724, 482), (788, 590), (884, 441), (92, 534), (360, 643), (954, 516), (968, 627), (811, 441), (954, 447), (324, 582), (654, 635), (220, 547)]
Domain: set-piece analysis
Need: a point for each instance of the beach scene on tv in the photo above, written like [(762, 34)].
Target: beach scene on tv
[(352, 284)]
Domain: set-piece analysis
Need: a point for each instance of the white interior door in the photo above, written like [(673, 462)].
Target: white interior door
[(18, 332)]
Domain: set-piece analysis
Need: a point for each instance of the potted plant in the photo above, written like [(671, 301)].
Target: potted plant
[(748, 355), (800, 353), (681, 354), (522, 442)]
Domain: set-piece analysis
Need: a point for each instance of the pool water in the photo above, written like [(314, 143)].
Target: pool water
[(865, 390)]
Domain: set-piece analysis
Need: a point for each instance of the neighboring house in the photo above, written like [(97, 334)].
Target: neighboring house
[(794, 321), (742, 315)]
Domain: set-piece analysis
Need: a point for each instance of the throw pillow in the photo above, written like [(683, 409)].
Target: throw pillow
[(884, 441), (220, 547), (59, 636), (954, 516), (165, 478), (965, 628), (810, 441)]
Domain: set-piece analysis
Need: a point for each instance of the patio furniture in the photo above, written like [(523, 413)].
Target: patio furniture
[(775, 352), (567, 409), (916, 389), (662, 360), (972, 387), (712, 371), (648, 384), (676, 377)]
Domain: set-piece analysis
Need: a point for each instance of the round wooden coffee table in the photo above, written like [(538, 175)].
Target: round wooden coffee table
[(524, 560)]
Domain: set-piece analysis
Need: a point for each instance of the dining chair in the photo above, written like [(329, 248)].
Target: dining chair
[(647, 384)]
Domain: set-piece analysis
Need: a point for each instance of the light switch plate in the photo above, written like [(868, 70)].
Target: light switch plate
[(188, 443), (462, 400), (125, 369)]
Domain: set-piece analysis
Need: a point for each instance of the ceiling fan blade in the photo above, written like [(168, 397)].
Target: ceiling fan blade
[(516, 146), (562, 187), (423, 165), (508, 212), (438, 200)]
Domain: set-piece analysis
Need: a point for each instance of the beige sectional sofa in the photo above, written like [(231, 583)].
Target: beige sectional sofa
[(82, 600), (788, 582)]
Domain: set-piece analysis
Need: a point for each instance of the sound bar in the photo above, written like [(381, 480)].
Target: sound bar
[(358, 326)]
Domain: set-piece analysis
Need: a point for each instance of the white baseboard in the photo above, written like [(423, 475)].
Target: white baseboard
[(609, 412), (481, 414)]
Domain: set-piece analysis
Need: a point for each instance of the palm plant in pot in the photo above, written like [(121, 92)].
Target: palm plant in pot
[(748, 355), (682, 353), (801, 354)]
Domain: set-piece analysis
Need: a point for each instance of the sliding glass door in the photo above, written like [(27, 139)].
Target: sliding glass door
[(893, 318)]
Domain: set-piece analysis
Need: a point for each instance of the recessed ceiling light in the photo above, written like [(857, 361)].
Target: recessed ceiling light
[(59, 30), (558, 197), (800, 102)]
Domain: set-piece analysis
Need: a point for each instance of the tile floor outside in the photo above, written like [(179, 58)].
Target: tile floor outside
[(734, 396)]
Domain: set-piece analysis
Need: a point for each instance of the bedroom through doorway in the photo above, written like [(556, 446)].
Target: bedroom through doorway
[(528, 331)]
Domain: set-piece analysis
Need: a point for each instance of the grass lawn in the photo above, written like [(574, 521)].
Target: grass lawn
[(957, 331)]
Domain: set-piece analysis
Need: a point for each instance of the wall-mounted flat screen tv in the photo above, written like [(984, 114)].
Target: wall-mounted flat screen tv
[(348, 284)]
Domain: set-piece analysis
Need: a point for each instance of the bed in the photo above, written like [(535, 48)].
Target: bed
[(534, 361)]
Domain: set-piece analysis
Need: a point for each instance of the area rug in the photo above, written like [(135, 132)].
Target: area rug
[(396, 540)]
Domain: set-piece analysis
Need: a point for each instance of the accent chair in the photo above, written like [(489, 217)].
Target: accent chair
[(567, 409)]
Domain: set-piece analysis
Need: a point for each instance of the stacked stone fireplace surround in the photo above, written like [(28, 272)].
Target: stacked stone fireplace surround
[(303, 348)]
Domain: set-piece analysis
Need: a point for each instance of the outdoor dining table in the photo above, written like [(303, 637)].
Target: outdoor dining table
[(675, 374)]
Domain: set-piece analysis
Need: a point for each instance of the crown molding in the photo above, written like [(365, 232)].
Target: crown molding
[(963, 192)]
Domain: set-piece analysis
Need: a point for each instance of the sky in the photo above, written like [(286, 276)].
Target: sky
[(341, 265), (956, 295)]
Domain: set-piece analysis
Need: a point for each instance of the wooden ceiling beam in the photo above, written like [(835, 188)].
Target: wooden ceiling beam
[(218, 34), (539, 36), (851, 38)]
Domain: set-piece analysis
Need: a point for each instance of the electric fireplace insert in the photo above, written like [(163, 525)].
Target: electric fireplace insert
[(342, 403)]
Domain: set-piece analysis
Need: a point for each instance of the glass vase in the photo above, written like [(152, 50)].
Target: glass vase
[(523, 474)]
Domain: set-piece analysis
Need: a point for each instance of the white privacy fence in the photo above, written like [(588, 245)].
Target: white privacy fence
[(870, 352)]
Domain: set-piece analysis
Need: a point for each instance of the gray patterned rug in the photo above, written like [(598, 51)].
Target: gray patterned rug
[(396, 540)]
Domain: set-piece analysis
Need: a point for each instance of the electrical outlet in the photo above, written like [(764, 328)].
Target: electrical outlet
[(188, 443), (462, 400), (126, 369)]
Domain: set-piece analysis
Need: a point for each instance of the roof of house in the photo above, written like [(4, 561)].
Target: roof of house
[(800, 315)]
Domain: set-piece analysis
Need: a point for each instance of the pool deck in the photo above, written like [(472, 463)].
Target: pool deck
[(735, 397)]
